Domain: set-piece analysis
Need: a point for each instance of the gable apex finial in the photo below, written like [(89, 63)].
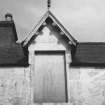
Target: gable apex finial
[(48, 4)]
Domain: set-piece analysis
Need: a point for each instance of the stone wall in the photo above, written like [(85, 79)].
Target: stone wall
[(87, 86), (14, 86)]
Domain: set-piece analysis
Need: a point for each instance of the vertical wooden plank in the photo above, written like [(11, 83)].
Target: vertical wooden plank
[(49, 77)]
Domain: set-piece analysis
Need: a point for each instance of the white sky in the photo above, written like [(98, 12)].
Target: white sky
[(84, 19)]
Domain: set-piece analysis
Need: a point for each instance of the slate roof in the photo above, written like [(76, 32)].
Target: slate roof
[(89, 54), (11, 53)]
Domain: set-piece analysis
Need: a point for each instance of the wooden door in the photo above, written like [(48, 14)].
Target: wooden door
[(49, 77)]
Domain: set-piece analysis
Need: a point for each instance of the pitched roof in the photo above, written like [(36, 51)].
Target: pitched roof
[(7, 33), (89, 54), (47, 15), (11, 53)]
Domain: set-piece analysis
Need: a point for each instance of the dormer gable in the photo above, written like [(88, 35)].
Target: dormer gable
[(51, 25)]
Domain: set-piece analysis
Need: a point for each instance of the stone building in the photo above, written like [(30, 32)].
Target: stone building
[(50, 66)]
